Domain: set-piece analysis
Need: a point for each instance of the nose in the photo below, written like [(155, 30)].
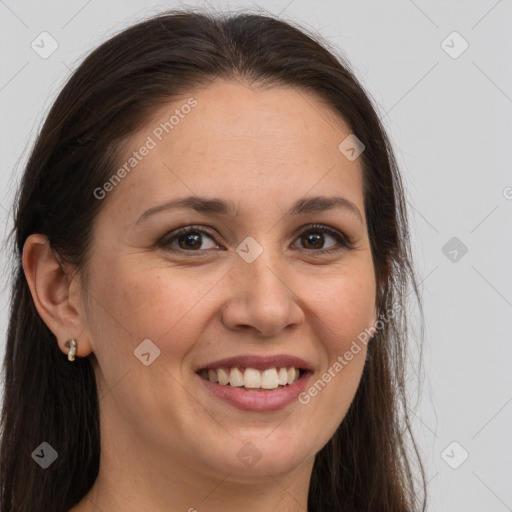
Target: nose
[(263, 297)]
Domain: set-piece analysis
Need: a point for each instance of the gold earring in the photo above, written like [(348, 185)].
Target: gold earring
[(72, 349)]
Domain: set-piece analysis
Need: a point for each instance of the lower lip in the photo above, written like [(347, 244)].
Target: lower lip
[(259, 401)]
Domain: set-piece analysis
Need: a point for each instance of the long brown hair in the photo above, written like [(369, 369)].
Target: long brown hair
[(367, 464)]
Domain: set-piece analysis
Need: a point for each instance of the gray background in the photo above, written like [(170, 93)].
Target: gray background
[(449, 120)]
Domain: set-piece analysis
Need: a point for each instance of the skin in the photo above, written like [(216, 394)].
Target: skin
[(166, 443)]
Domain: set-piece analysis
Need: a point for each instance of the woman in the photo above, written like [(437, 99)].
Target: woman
[(214, 258)]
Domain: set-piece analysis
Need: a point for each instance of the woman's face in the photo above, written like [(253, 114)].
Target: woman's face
[(162, 306)]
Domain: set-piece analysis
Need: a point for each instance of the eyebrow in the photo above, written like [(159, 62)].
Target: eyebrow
[(229, 208)]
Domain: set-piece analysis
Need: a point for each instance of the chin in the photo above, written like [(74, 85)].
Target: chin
[(258, 458)]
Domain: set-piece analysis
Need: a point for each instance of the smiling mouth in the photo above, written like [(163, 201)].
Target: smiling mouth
[(252, 379)]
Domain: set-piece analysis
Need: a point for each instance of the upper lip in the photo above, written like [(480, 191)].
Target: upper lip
[(258, 362)]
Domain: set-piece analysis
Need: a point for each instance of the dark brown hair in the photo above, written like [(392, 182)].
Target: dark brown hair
[(367, 464)]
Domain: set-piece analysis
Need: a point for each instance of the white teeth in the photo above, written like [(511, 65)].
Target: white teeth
[(282, 378), (269, 379), (236, 378), (251, 378), (291, 374), (223, 376)]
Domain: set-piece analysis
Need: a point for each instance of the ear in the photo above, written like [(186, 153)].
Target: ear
[(56, 295)]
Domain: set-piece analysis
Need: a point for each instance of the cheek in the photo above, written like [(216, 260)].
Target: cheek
[(345, 308), (135, 303)]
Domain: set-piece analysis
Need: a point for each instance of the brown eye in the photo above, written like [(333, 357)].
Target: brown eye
[(189, 239), (313, 240), (315, 237)]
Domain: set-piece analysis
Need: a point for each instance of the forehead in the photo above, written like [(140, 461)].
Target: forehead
[(240, 142)]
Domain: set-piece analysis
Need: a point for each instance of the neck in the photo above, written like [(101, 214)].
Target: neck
[(136, 477), (136, 487)]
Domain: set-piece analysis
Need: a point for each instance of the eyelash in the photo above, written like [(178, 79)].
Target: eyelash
[(343, 240)]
